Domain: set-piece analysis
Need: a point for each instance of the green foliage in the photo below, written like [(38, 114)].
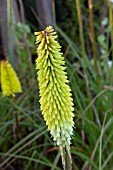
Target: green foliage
[(24, 141)]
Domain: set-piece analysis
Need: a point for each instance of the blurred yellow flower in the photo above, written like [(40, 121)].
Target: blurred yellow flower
[(10, 83)]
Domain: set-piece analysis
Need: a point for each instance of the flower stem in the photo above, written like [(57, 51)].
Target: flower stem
[(81, 30), (92, 34)]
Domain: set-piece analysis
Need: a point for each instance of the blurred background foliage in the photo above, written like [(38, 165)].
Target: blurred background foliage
[(86, 36)]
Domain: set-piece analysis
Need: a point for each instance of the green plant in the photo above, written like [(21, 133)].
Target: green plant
[(56, 101), (92, 141)]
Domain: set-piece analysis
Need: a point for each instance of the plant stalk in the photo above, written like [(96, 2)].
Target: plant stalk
[(111, 23), (81, 30), (111, 29), (84, 55), (92, 35)]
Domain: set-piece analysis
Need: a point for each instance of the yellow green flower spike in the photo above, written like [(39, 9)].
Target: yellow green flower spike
[(9, 81), (56, 101)]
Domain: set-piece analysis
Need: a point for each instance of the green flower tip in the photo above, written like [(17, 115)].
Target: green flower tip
[(56, 101)]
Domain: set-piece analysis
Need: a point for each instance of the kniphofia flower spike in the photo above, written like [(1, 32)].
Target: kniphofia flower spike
[(56, 101), (10, 83)]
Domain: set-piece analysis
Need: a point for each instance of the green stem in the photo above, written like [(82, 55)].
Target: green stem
[(82, 39), (111, 23), (92, 34), (111, 28), (10, 29), (90, 115), (53, 9), (101, 137), (81, 30)]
